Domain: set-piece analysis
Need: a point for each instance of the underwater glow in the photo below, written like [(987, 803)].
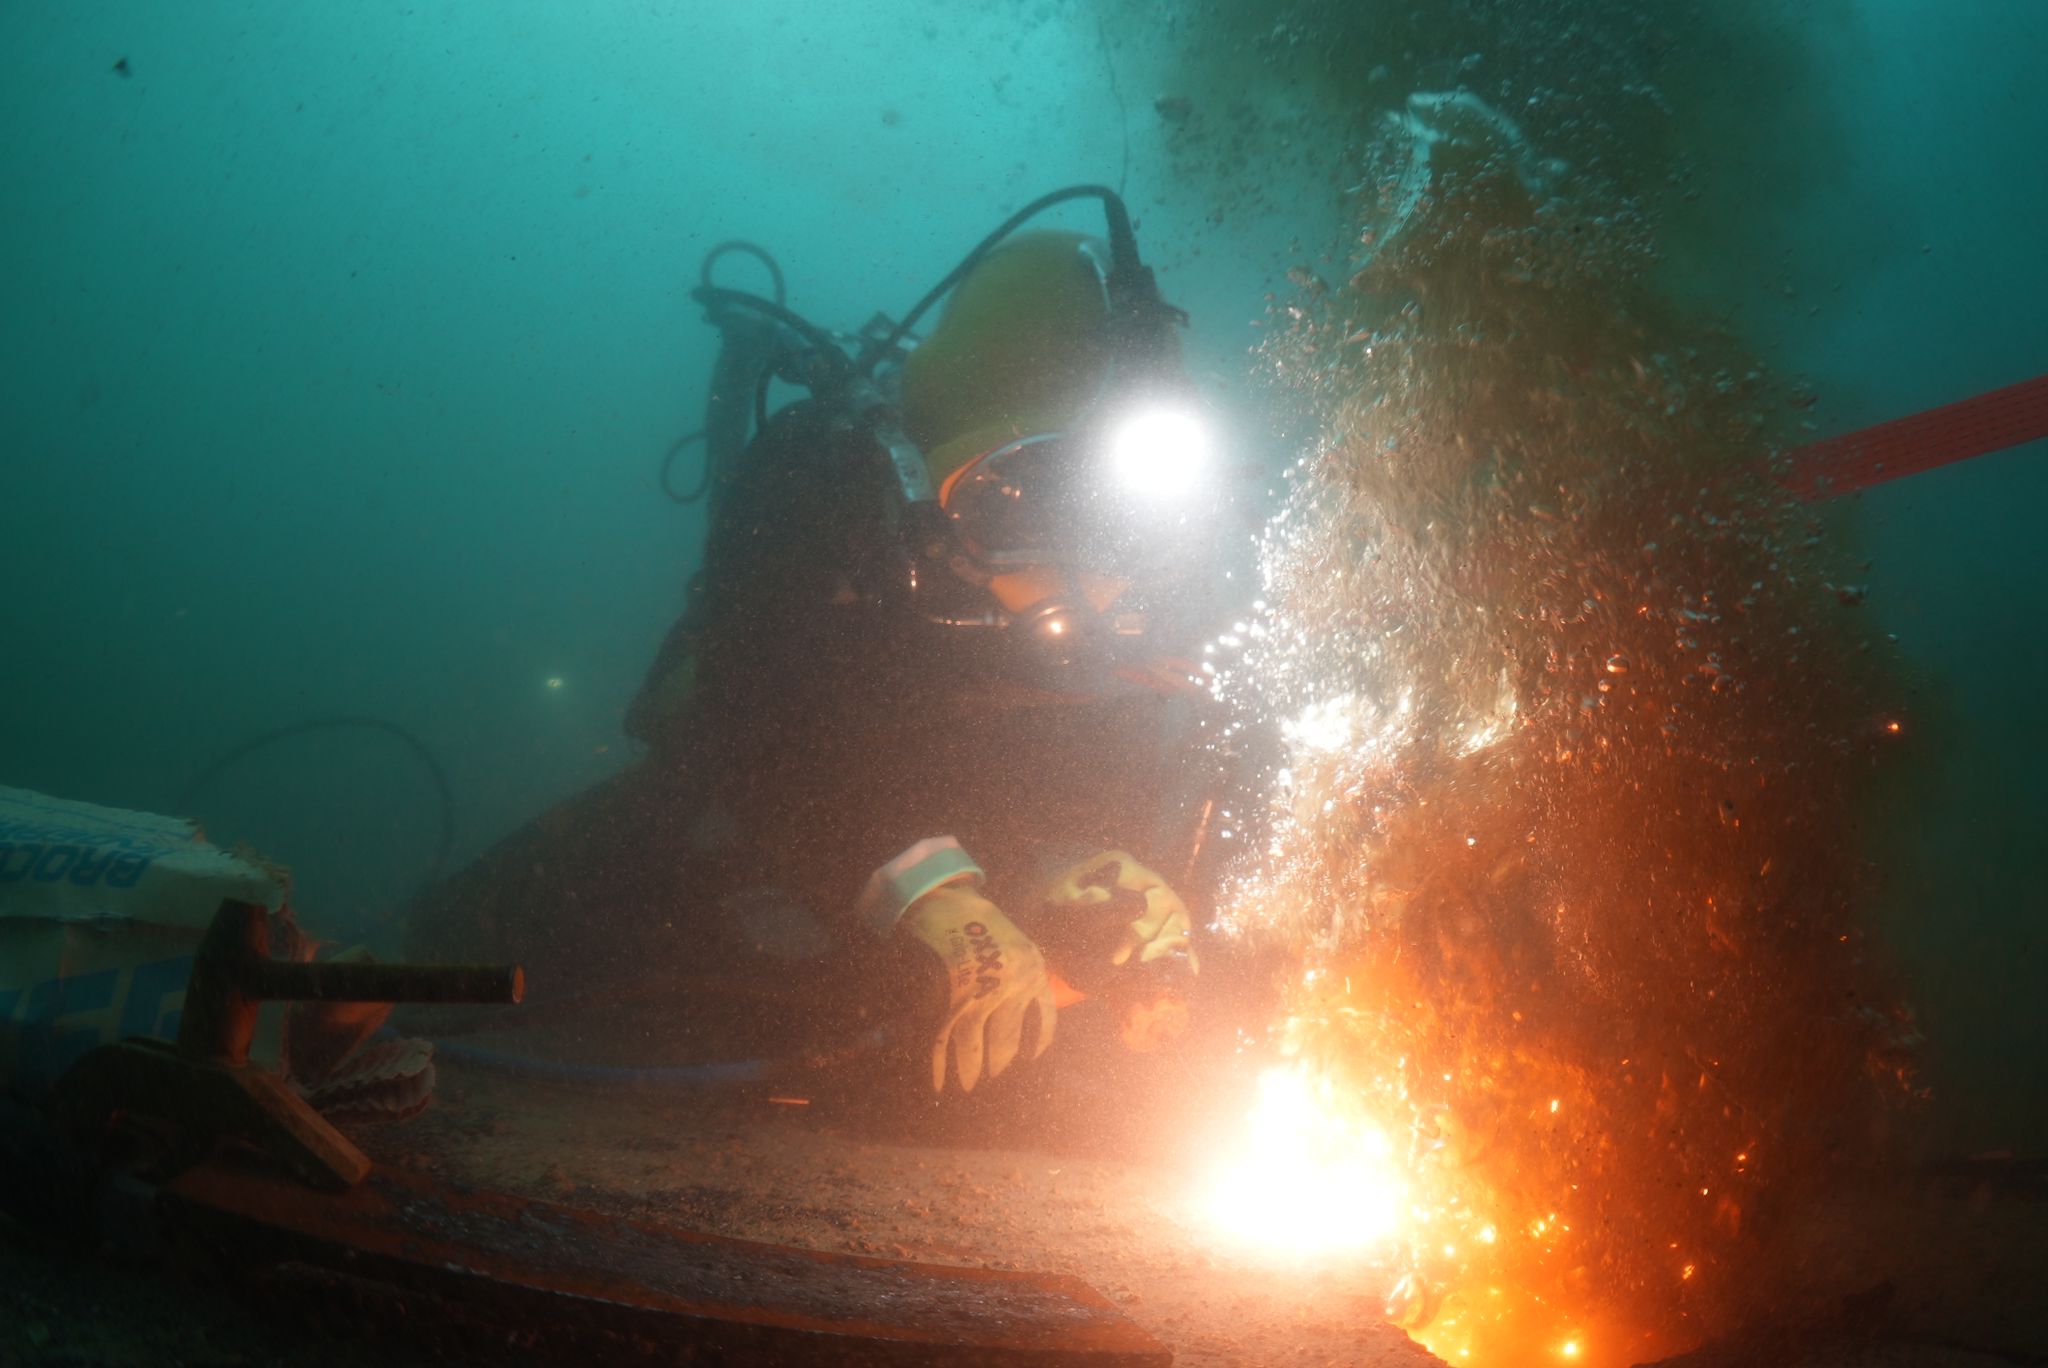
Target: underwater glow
[(1308, 1177), (1557, 817), (1328, 726), (1478, 1264)]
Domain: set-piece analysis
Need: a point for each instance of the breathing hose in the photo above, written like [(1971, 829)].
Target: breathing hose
[(1130, 287), (1129, 279), (443, 794), (668, 461), (752, 249), (1123, 258)]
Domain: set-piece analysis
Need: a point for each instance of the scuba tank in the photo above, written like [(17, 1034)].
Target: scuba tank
[(760, 339)]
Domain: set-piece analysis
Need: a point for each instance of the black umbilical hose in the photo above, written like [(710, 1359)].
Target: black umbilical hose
[(712, 296), (755, 250), (1123, 259), (767, 377), (1130, 286), (708, 293), (1126, 275), (265, 740), (668, 461)]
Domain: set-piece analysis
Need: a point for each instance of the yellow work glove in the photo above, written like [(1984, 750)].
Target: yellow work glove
[(1162, 929), (995, 975)]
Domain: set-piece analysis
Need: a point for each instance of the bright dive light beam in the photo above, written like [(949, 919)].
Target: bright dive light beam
[(1160, 451)]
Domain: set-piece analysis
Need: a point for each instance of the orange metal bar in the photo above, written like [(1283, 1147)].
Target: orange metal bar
[(1921, 441)]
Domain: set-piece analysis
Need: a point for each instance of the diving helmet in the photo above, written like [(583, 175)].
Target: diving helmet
[(1072, 471)]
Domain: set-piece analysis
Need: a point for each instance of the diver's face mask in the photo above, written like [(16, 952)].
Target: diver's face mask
[(1079, 544), (1062, 549), (1115, 499)]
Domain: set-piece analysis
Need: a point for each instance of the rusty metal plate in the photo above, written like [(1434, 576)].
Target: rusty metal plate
[(558, 1282)]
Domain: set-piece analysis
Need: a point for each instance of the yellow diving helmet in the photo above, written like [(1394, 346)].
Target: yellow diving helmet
[(1023, 347), (1057, 455)]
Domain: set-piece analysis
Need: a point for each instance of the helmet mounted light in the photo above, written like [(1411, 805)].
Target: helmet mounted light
[(1160, 452), (1104, 498)]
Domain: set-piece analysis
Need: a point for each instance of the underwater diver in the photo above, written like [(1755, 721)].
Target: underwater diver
[(927, 721)]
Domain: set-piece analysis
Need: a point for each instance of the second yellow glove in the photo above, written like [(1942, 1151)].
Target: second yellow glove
[(1162, 929)]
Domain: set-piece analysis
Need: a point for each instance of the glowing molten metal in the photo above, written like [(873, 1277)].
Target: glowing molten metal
[(1308, 1178), (1330, 1173)]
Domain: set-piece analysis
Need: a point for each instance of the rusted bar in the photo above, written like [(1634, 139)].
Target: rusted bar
[(233, 974), (206, 1087), (280, 981)]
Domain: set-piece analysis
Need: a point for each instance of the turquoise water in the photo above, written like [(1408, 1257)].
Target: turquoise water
[(342, 344)]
